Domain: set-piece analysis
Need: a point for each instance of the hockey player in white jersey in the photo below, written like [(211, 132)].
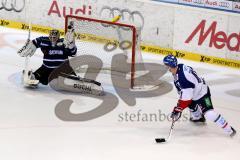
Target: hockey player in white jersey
[(56, 51), (195, 94)]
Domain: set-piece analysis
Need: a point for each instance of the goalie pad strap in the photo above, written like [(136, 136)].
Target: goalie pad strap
[(73, 77)]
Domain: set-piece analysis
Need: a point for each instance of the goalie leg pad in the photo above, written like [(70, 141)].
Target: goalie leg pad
[(77, 86), (29, 80)]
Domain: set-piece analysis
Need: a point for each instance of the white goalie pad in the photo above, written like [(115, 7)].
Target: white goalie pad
[(77, 86), (28, 49), (29, 80), (31, 83)]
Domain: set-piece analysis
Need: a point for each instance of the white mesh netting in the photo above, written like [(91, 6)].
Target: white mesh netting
[(116, 45)]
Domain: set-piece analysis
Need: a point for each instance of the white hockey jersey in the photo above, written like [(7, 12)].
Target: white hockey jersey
[(189, 85)]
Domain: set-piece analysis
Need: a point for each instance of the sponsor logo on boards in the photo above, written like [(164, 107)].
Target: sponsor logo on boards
[(218, 39)]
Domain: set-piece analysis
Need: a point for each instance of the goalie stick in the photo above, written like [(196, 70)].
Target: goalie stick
[(26, 81), (161, 140), (81, 79)]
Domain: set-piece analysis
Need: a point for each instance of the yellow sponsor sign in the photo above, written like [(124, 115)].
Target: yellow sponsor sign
[(191, 56)]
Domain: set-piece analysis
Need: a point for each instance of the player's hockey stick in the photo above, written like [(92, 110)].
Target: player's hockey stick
[(161, 140)]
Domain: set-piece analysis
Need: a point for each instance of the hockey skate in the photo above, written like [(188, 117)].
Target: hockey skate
[(29, 80), (234, 132), (200, 120)]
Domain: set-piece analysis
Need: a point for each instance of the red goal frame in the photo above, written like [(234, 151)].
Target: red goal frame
[(134, 37)]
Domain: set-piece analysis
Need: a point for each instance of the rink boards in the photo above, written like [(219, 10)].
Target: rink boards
[(192, 33)]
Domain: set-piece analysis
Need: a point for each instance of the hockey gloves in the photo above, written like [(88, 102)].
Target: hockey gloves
[(28, 49), (176, 113)]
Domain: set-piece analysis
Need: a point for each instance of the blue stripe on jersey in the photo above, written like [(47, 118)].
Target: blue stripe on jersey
[(50, 66), (53, 60), (53, 63), (181, 81)]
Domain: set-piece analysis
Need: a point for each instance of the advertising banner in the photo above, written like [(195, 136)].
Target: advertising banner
[(193, 2), (233, 38), (162, 26), (200, 33), (221, 4), (225, 5), (147, 16), (236, 6), (207, 33)]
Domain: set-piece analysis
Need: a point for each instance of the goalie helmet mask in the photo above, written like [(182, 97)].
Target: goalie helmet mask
[(170, 61), (54, 35)]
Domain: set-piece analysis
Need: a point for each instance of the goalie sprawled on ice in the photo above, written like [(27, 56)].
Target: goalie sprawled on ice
[(56, 51)]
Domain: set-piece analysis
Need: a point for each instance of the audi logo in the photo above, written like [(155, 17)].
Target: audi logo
[(224, 4), (12, 5), (133, 17), (199, 1)]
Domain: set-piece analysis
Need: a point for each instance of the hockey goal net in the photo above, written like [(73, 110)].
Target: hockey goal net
[(104, 40)]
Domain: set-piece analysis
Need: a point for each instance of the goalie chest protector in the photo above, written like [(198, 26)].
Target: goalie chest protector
[(54, 56)]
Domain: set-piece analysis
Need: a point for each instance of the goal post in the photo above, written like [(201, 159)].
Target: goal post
[(105, 39)]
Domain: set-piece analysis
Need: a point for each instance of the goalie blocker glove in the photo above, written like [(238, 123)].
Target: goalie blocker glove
[(28, 49)]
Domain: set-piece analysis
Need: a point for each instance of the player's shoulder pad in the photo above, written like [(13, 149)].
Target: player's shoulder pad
[(186, 68), (43, 39), (180, 66)]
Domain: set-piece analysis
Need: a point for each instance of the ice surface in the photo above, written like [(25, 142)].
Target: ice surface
[(30, 130)]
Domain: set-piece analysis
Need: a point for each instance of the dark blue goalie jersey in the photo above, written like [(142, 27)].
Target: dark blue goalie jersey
[(54, 56)]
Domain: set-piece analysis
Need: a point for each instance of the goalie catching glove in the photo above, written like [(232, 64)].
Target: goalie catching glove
[(69, 39), (28, 49)]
